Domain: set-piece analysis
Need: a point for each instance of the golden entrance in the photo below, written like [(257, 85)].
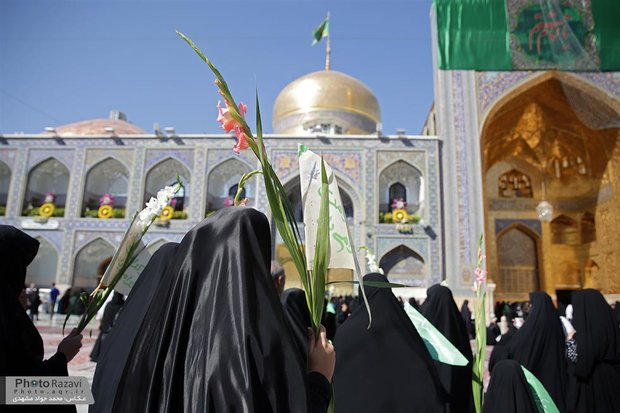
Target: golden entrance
[(536, 149)]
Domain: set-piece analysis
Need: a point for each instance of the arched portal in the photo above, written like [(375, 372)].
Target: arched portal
[(108, 177), (222, 182), (165, 174), (48, 182), (400, 187), (535, 148), (403, 265), (517, 253), (86, 262)]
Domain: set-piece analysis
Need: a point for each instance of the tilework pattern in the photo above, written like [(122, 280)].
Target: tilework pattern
[(356, 160)]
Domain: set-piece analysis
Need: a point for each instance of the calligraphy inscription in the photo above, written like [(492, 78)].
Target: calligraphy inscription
[(337, 210), (551, 33)]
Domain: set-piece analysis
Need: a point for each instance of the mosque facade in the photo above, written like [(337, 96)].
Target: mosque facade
[(82, 166), (507, 155)]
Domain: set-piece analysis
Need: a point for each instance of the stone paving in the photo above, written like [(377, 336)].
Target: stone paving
[(51, 331)]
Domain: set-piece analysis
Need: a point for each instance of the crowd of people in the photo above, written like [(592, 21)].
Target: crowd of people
[(210, 327)]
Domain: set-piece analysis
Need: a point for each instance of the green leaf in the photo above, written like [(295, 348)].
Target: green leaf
[(544, 402), (321, 253), (378, 284)]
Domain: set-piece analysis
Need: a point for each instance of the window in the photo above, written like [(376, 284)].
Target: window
[(514, 184), (48, 182), (106, 184)]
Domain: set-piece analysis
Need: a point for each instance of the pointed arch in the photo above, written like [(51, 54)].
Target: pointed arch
[(564, 230), (400, 180), (222, 178), (109, 176), (592, 91), (87, 260), (293, 191), (164, 174), (48, 181), (42, 270), (404, 265), (518, 261), (5, 184)]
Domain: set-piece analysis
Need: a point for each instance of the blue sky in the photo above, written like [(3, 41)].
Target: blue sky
[(64, 61)]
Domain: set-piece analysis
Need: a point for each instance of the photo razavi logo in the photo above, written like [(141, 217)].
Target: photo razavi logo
[(47, 390)]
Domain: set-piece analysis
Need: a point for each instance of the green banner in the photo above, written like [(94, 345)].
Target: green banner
[(528, 34)]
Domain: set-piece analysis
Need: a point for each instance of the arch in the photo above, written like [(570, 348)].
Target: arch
[(401, 175), (87, 260), (109, 176), (582, 85), (293, 191), (588, 228), (517, 256), (403, 264), (164, 174), (515, 184), (564, 230), (42, 270), (535, 129), (5, 184), (397, 191), (222, 178), (48, 181)]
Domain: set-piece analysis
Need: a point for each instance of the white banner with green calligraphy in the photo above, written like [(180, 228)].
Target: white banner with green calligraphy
[(341, 250)]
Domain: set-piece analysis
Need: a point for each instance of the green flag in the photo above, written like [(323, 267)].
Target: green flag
[(544, 402), (321, 31), (532, 35), (438, 346)]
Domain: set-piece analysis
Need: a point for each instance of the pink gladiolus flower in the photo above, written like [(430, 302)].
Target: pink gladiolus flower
[(226, 119), (481, 275), (242, 141)]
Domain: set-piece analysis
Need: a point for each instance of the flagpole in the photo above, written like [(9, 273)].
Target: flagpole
[(328, 48)]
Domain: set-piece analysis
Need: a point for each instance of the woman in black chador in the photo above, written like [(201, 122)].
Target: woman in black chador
[(595, 368), (211, 335), (21, 345), (386, 368), (509, 391), (440, 309), (539, 346), (109, 314)]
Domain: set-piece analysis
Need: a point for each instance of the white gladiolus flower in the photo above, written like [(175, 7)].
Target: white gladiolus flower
[(165, 195), (155, 206), (372, 262), (151, 212)]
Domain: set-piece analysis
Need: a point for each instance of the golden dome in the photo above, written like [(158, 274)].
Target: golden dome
[(326, 98)]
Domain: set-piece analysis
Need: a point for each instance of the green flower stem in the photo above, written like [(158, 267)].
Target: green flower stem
[(242, 181), (281, 209)]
